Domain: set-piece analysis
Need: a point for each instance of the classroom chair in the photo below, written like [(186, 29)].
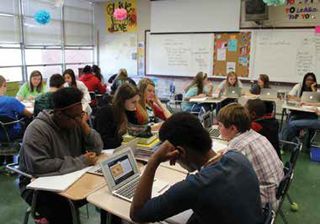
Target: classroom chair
[(9, 146), (284, 187), (269, 214), (14, 167)]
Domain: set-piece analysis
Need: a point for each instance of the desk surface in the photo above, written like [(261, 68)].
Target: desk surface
[(207, 100), (299, 108), (29, 105), (121, 208), (86, 185)]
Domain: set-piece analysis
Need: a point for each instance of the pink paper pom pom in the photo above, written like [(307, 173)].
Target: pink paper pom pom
[(120, 14)]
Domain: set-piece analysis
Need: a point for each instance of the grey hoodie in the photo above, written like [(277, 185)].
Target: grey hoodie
[(49, 150)]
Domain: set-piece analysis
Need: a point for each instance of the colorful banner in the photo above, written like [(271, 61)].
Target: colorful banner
[(129, 24)]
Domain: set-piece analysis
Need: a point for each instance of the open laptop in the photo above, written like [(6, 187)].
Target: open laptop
[(233, 92), (207, 121), (131, 144), (122, 176), (267, 93), (310, 97)]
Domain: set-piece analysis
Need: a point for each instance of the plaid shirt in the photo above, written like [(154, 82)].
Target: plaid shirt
[(265, 162)]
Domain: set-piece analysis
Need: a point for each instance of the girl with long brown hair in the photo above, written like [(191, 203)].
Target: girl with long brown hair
[(112, 120), (151, 108), (262, 83), (199, 87), (35, 87), (230, 81)]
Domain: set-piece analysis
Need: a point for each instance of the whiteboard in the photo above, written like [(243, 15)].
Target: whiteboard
[(179, 54), (285, 55)]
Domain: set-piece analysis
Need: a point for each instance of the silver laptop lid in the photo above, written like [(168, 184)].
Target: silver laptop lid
[(268, 93), (233, 92), (120, 169), (310, 97)]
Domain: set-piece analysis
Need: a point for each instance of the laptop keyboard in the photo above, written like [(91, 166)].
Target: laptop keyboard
[(129, 189), (214, 132)]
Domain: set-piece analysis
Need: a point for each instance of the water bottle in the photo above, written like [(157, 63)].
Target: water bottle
[(172, 88)]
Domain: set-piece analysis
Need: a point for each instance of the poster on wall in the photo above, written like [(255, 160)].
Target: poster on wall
[(121, 16)]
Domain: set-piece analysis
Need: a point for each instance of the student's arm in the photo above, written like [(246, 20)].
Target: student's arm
[(294, 92), (166, 113), (140, 210), (86, 99), (92, 139), (23, 91), (26, 113), (101, 88), (220, 87)]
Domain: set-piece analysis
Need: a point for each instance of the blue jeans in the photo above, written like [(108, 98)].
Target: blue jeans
[(295, 126)]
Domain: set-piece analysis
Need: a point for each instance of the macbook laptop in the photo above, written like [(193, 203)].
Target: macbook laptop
[(207, 121), (131, 144), (310, 97), (122, 176), (233, 92), (268, 94)]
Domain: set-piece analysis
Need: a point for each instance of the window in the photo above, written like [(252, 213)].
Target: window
[(43, 56), (65, 42)]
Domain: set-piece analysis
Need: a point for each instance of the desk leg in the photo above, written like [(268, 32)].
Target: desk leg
[(103, 216)]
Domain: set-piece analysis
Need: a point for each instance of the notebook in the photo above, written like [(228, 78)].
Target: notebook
[(233, 92), (122, 176), (267, 93), (132, 144), (57, 183), (310, 97)]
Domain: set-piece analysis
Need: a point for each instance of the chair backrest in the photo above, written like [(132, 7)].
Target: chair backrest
[(294, 147), (285, 182), (6, 123), (270, 129)]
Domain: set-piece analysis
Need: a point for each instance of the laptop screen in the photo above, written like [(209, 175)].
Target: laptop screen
[(121, 169)]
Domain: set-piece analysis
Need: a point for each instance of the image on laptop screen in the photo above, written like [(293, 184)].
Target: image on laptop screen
[(121, 169)]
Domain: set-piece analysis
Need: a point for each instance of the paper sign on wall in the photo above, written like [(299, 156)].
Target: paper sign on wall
[(231, 67), (232, 45), (221, 54)]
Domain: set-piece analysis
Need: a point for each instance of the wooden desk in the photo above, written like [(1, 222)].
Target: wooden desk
[(121, 208), (207, 100)]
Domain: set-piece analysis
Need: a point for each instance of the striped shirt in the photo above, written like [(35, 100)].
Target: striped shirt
[(265, 162)]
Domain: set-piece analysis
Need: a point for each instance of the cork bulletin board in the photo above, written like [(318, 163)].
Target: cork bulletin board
[(232, 53)]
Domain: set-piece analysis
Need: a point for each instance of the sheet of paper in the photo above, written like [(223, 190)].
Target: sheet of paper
[(221, 54), (57, 183)]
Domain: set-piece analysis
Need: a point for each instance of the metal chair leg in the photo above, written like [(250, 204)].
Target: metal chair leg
[(26, 216)]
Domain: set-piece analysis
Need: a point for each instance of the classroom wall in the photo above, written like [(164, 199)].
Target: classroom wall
[(117, 50)]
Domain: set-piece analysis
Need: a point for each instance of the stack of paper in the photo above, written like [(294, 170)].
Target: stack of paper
[(57, 183)]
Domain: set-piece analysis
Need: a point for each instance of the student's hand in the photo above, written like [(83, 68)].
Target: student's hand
[(30, 98), (156, 127), (90, 158), (166, 152), (314, 87)]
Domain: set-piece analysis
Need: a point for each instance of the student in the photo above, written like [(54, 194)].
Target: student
[(262, 83), (57, 142), (151, 109), (199, 87), (230, 81), (97, 72), (309, 83), (224, 190), (295, 126), (11, 107), (263, 123), (111, 121), (70, 81), (120, 79), (234, 124), (35, 87), (44, 101), (91, 81)]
